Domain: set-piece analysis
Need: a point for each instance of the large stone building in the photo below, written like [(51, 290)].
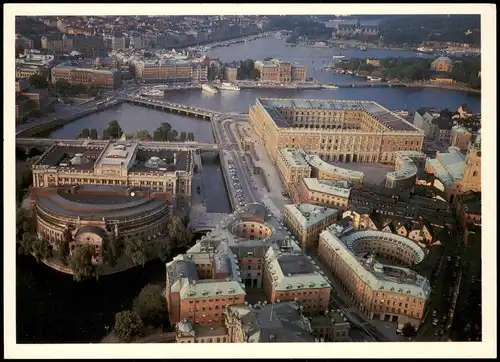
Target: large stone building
[(373, 269), (117, 163), (457, 172), (292, 165), (170, 70), (338, 131), (91, 215), (468, 209), (249, 250), (32, 62), (307, 221), (322, 192), (82, 74), (277, 71)]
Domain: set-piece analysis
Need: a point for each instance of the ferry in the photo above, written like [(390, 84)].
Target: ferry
[(154, 93), (209, 89), (330, 86), (229, 86), (372, 79), (338, 56), (362, 48)]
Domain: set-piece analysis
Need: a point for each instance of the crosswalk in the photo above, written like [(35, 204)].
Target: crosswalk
[(349, 310)]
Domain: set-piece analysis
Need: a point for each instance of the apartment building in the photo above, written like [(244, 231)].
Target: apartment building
[(83, 74), (322, 192), (468, 209), (307, 221)]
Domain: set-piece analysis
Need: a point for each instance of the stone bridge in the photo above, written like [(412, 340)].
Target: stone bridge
[(173, 107)]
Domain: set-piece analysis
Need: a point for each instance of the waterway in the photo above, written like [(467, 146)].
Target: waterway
[(51, 308)]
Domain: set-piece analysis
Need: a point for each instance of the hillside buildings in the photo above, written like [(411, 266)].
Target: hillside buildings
[(338, 131)]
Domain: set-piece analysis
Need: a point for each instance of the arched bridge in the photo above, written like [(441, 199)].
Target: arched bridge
[(30, 143), (172, 107)]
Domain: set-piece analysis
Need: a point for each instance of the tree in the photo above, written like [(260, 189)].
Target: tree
[(114, 129), (409, 331), (190, 136), (80, 262), (128, 325), (183, 136), (39, 82), (41, 248), (255, 74), (62, 86), (26, 243), (150, 305), (93, 134), (137, 250), (142, 135), (105, 134), (165, 251), (85, 133)]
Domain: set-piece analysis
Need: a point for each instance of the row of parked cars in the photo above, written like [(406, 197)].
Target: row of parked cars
[(236, 183)]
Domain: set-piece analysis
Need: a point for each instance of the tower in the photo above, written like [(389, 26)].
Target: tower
[(472, 171)]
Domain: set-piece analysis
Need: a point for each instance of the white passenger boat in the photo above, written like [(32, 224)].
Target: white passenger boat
[(229, 86), (330, 86), (209, 89), (154, 93)]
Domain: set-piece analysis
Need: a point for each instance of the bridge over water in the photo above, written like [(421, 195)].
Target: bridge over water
[(173, 107), (29, 143)]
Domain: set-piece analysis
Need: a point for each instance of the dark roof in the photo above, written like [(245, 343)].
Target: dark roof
[(181, 269), (92, 229)]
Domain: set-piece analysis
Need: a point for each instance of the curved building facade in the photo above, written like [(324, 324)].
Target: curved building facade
[(93, 214), (405, 169), (373, 268)]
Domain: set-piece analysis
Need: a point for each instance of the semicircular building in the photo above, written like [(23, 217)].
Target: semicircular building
[(375, 270)]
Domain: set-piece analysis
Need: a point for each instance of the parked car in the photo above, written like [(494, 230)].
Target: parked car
[(434, 313), (435, 322)]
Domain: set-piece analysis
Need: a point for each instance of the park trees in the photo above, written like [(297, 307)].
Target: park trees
[(39, 82), (142, 135), (80, 262), (114, 130), (165, 133), (85, 133), (150, 306), (137, 250), (128, 325), (409, 331), (93, 134)]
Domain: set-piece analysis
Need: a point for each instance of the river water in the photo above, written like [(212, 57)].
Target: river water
[(51, 308)]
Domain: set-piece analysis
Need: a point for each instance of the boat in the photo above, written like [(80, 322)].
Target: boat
[(320, 44), (362, 48), (372, 79), (344, 47), (209, 89), (338, 56), (330, 86), (229, 86), (154, 93)]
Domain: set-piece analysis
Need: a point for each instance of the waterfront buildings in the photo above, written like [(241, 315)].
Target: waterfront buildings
[(458, 172), (338, 131), (442, 64), (118, 163), (32, 62), (250, 250), (174, 70), (83, 74), (306, 221), (387, 289), (277, 71), (231, 74), (94, 215)]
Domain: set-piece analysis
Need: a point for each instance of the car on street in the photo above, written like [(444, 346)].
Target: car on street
[(434, 313), (435, 322)]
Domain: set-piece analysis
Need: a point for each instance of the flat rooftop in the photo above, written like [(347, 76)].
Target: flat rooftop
[(165, 162), (308, 214), (329, 187), (64, 154), (294, 156), (295, 264), (384, 116)]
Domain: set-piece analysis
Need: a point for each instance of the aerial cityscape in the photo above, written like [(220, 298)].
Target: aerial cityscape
[(248, 179)]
